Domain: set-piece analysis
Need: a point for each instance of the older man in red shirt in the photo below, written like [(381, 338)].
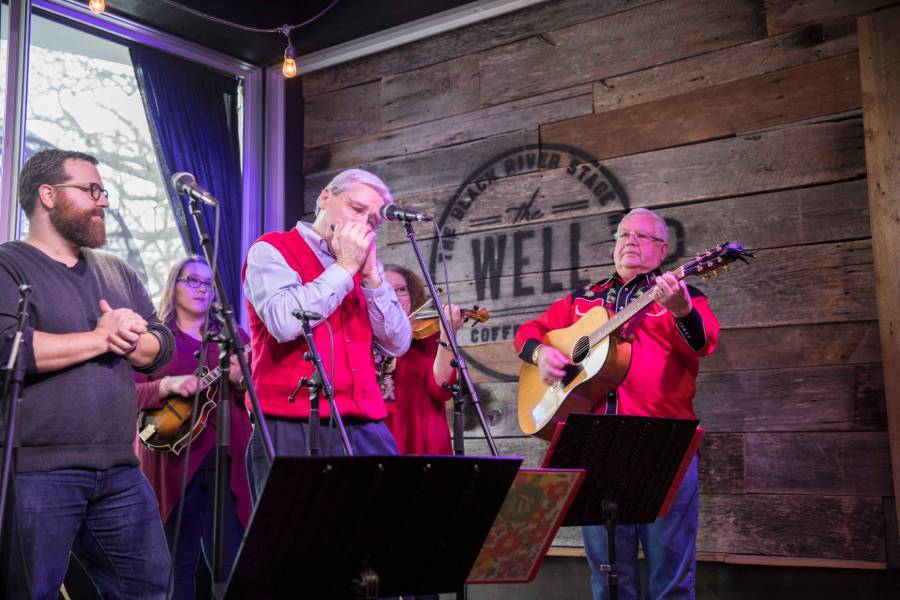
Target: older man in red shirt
[(670, 337)]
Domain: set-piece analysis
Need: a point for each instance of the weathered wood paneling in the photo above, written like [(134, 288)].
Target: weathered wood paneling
[(892, 540), (438, 168), (525, 113), (844, 527), (790, 286), (821, 88), (786, 158), (844, 398), (840, 398), (721, 464), (751, 138), (879, 37), (459, 42), (793, 217), (810, 44), (451, 87), (784, 15), (342, 115), (617, 44), (721, 458), (817, 344), (835, 463), (739, 349)]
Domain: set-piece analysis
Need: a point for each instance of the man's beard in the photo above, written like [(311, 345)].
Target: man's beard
[(78, 226)]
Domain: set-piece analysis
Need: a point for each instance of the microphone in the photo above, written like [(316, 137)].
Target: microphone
[(306, 315), (185, 184), (392, 212)]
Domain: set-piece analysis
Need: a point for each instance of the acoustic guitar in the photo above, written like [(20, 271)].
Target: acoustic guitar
[(171, 428), (600, 357)]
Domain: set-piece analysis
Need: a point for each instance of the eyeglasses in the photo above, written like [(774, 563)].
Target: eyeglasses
[(94, 189), (636, 236), (195, 283), (401, 290)]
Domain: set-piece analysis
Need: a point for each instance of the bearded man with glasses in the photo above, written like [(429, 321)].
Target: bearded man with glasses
[(669, 338), (77, 487)]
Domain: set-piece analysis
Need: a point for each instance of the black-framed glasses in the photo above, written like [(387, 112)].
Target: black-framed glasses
[(94, 189), (637, 236), (195, 283)]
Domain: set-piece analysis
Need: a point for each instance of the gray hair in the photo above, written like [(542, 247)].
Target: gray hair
[(345, 179), (662, 229)]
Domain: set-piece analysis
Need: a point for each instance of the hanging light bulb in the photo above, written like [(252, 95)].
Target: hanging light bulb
[(97, 6), (289, 67)]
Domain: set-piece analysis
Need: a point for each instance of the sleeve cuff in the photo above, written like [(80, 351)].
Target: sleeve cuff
[(691, 329), (379, 293), (528, 350), (166, 346)]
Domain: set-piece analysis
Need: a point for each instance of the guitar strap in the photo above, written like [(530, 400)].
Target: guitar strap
[(616, 298)]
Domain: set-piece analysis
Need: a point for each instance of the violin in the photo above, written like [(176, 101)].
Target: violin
[(427, 323)]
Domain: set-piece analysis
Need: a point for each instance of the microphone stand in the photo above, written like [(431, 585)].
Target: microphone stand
[(317, 382), (230, 343), (13, 377), (465, 387)]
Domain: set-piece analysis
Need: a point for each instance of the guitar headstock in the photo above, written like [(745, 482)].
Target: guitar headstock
[(716, 258)]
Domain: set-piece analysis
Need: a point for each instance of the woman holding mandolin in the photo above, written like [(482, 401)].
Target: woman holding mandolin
[(183, 308), (411, 384)]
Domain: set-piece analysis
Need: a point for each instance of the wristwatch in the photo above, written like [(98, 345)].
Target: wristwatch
[(536, 353)]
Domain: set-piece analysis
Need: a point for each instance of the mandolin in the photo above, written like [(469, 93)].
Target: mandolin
[(170, 428), (600, 357)]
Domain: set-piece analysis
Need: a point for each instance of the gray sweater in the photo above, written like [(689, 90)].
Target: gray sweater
[(82, 416)]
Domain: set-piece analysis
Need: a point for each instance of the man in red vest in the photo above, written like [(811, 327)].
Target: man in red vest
[(328, 267)]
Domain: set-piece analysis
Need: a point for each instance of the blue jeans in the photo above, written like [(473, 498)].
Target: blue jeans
[(196, 535), (290, 438), (109, 519), (670, 548)]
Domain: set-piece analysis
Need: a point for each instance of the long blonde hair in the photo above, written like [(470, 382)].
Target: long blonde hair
[(167, 313)]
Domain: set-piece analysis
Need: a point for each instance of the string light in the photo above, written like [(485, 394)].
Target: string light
[(289, 66), (97, 6)]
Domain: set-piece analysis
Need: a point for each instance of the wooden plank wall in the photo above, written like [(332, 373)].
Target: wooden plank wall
[(530, 134), (879, 47)]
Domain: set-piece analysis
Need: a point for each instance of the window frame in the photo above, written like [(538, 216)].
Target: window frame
[(252, 223)]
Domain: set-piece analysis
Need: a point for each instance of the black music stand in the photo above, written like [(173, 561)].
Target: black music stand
[(369, 526), (632, 463)]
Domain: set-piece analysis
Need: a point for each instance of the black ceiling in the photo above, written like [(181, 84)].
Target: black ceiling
[(348, 20)]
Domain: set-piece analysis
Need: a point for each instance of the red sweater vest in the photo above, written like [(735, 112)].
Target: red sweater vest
[(278, 366)]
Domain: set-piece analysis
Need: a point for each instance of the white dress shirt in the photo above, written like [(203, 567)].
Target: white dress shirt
[(275, 289)]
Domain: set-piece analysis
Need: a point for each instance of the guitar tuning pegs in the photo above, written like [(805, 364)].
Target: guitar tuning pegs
[(716, 272)]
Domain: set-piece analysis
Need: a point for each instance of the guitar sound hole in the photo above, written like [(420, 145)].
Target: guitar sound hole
[(581, 349)]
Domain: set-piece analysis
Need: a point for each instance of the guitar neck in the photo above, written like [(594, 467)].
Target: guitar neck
[(633, 308)]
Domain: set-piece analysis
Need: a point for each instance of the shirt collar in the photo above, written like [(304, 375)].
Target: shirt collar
[(312, 238)]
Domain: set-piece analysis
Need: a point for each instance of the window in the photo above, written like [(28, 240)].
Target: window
[(83, 95)]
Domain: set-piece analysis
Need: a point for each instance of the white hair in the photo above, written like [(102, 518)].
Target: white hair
[(662, 229), (345, 179)]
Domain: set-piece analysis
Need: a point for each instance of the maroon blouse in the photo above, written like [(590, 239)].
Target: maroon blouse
[(417, 418), (165, 469)]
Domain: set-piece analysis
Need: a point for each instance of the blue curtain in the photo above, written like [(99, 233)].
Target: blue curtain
[(193, 117)]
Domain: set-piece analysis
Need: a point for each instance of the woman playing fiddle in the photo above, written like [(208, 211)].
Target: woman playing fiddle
[(412, 385)]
